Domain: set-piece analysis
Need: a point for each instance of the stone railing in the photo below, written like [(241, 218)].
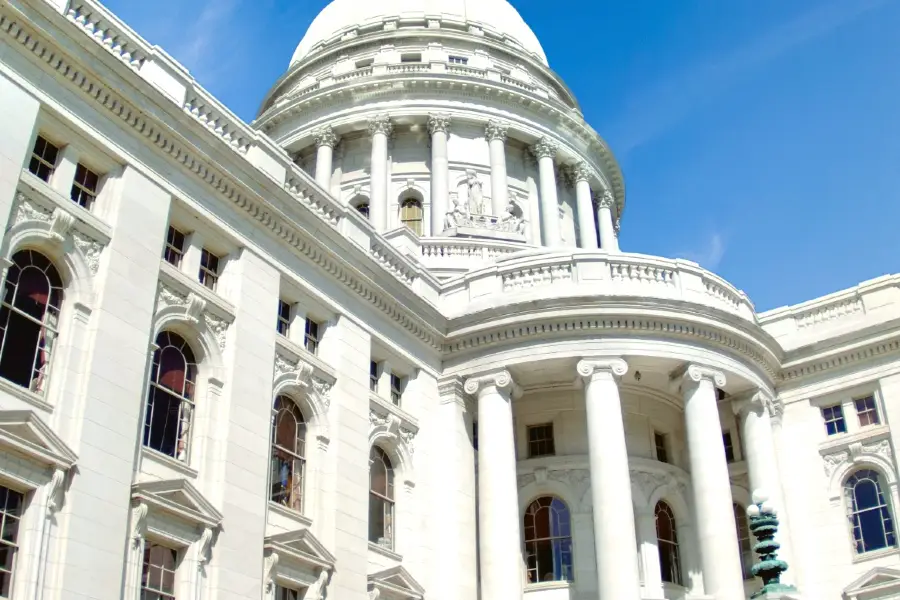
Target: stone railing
[(112, 34), (445, 256), (218, 119), (595, 274)]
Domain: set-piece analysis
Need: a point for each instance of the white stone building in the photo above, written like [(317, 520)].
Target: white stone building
[(382, 343)]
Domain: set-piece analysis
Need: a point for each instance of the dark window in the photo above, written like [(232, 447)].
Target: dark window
[(11, 506), (365, 62), (373, 376), (744, 544), (381, 498), (283, 593), (363, 209), (43, 158), (170, 400), (84, 188), (209, 269), (288, 454), (548, 541), (396, 388), (659, 440), (475, 436), (834, 419), (311, 336), (540, 440), (867, 411), (158, 574), (870, 516), (411, 58), (284, 318), (29, 320), (459, 60), (729, 446), (667, 544), (174, 250)]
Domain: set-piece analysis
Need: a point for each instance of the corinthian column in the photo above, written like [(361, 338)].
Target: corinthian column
[(608, 238), (587, 232), (495, 134), (545, 152), (618, 576), (499, 539), (719, 552), (439, 128), (380, 127), (326, 140)]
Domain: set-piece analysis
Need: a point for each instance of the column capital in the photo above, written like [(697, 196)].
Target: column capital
[(590, 367), (326, 137), (696, 373), (381, 124), (604, 199), (500, 379), (582, 172), (438, 123), (495, 130), (544, 148)]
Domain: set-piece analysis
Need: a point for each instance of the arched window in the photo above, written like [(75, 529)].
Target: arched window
[(667, 543), (411, 215), (868, 512), (381, 498), (29, 320), (744, 543), (363, 209), (548, 541), (170, 399), (288, 454)]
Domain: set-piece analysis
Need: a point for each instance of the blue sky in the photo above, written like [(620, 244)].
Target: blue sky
[(758, 137)]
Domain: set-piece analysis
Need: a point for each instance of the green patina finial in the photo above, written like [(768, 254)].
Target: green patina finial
[(764, 525)]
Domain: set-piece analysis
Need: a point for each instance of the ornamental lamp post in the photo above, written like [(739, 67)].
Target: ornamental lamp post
[(764, 525)]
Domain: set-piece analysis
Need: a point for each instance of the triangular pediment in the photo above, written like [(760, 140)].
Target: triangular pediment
[(874, 584), (178, 497), (396, 582), (23, 432), (301, 546)]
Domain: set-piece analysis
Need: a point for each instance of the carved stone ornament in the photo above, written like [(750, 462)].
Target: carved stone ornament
[(545, 148), (525, 479), (61, 224), (698, 373), (26, 210), (269, 571), (90, 249), (204, 547), (381, 124), (317, 590), (501, 380), (194, 311), (138, 524), (55, 492), (438, 122), (648, 481), (581, 172), (409, 438), (495, 130), (604, 199), (374, 593), (589, 367), (326, 137), (379, 420), (831, 462)]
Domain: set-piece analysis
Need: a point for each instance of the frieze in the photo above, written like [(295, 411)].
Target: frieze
[(194, 311)]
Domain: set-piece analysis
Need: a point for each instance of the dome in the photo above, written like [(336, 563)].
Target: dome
[(497, 16)]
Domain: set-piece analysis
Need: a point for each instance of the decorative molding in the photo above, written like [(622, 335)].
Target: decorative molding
[(588, 367), (90, 249), (582, 172), (381, 124), (697, 373), (61, 224), (55, 492), (326, 137), (501, 380), (269, 565), (27, 210), (545, 148), (496, 130), (603, 199), (438, 123), (317, 590), (854, 451), (139, 523), (195, 311), (204, 547)]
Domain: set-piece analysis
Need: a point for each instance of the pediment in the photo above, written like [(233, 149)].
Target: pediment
[(23, 432), (876, 583), (396, 583), (302, 547), (178, 497)]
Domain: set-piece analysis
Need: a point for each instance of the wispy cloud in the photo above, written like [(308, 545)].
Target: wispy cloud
[(663, 105), (710, 255), (200, 48)]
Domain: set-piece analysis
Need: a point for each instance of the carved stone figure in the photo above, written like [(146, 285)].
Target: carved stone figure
[(512, 219), (317, 590), (456, 217), (476, 198)]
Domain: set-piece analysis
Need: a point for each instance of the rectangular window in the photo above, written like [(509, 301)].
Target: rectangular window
[(659, 440), (209, 269), (396, 388), (867, 411), (43, 158), (459, 60), (311, 337), (284, 318), (11, 506), (158, 573), (411, 58), (373, 376), (84, 188), (283, 593), (729, 446), (174, 247), (834, 419), (540, 440)]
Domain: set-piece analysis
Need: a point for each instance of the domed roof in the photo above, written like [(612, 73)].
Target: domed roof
[(493, 15)]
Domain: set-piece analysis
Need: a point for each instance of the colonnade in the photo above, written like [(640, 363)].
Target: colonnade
[(590, 203), (500, 543)]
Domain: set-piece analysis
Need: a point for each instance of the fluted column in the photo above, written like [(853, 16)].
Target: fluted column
[(499, 539), (608, 238), (380, 128), (618, 575), (587, 232), (545, 153), (719, 553), (326, 140), (755, 416), (495, 133), (439, 128)]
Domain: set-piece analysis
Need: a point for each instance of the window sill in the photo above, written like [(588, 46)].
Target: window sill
[(548, 585), (876, 554), (167, 461), (52, 199), (291, 514), (386, 552), (842, 441), (25, 395)]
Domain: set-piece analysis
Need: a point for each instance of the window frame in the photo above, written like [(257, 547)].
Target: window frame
[(558, 543), (412, 215), (283, 323), (547, 442), (839, 421), (296, 495), (884, 508), (170, 250), (9, 575), (673, 546), (374, 374), (386, 499), (745, 539), (34, 156), (186, 401), (397, 388), (661, 442), (209, 275), (456, 59), (312, 336), (729, 447), (870, 406), (158, 594), (80, 189)]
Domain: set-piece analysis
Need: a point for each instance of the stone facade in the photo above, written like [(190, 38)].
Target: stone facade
[(385, 344)]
